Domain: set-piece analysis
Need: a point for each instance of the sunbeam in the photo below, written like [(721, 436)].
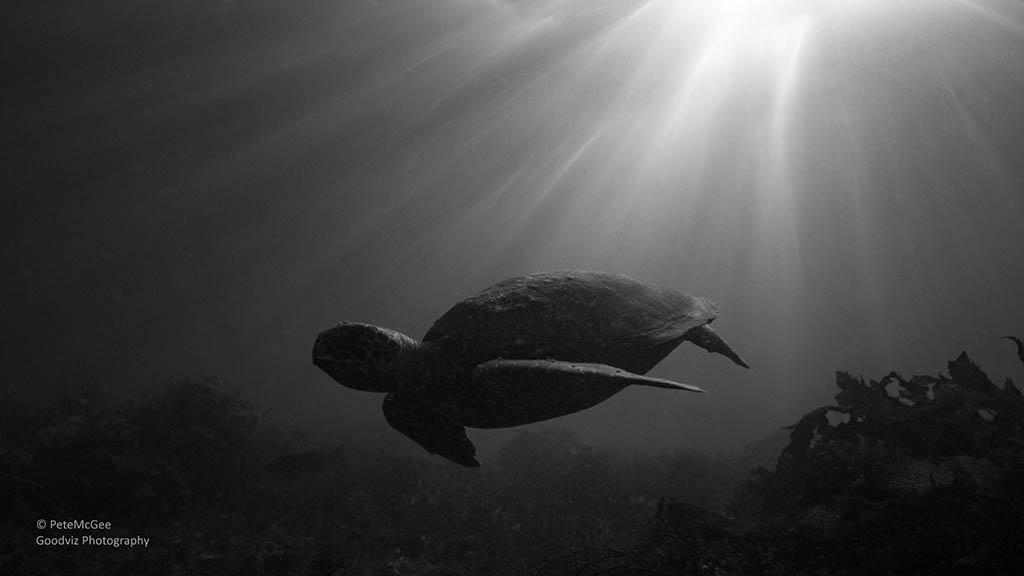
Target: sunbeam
[(200, 188), (842, 176)]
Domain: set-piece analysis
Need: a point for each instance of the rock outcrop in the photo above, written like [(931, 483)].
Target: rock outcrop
[(924, 475)]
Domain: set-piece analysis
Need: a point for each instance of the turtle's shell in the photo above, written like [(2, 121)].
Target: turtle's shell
[(571, 316)]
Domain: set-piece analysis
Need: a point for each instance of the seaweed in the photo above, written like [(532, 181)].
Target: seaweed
[(905, 476)]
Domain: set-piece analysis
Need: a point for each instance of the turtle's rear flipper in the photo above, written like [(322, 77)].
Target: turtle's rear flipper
[(705, 337), (435, 433)]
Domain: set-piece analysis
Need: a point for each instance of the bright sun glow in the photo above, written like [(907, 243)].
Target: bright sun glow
[(704, 121)]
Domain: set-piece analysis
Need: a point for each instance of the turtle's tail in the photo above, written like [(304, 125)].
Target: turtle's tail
[(705, 337)]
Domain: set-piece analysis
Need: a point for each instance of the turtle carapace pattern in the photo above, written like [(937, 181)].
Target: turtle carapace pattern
[(527, 349)]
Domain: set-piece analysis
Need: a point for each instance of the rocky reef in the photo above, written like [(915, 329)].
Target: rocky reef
[(900, 476)]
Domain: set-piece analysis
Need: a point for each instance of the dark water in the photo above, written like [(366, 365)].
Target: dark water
[(197, 188)]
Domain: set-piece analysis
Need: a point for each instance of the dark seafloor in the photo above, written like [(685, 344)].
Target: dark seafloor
[(920, 475)]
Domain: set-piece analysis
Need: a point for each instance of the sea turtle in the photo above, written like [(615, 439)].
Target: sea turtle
[(527, 349)]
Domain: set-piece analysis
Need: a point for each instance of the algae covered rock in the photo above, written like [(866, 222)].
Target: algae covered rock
[(902, 475)]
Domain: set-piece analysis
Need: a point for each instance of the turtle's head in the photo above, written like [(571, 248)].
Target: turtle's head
[(361, 356)]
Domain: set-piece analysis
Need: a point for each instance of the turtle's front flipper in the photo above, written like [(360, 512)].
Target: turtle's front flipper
[(572, 377), (434, 432), (514, 392)]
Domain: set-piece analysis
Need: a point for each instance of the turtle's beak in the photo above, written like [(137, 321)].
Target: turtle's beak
[(330, 356), (705, 337), (322, 352)]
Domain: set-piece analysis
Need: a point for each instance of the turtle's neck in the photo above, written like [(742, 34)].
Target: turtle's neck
[(423, 370)]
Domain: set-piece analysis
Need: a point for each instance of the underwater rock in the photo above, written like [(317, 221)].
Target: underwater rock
[(707, 523), (919, 474), (764, 453), (312, 462), (15, 461)]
